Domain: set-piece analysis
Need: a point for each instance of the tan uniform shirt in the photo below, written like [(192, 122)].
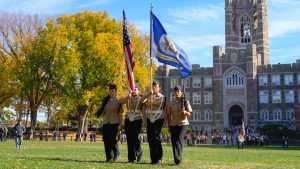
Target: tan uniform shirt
[(134, 107), (241, 138), (157, 110), (174, 109), (111, 111)]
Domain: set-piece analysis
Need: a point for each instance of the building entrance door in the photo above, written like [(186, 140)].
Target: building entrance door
[(235, 115)]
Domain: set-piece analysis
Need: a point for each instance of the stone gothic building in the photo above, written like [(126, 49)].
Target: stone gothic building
[(242, 84)]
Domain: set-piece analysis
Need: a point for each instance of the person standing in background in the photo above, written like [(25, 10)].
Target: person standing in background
[(46, 135), (5, 132), (31, 134), (19, 129)]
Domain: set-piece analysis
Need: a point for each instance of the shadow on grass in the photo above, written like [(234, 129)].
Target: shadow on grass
[(65, 159), (251, 147), (95, 161)]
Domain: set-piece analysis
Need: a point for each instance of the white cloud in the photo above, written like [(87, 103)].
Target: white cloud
[(34, 6), (284, 17), (186, 15), (144, 26), (285, 55), (196, 29), (93, 3), (204, 57), (48, 6), (199, 47), (281, 28), (287, 2), (197, 42)]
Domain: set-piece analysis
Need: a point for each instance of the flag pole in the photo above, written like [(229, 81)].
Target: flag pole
[(151, 58), (129, 89), (183, 94)]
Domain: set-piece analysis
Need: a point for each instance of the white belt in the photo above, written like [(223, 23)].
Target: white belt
[(132, 115), (153, 115)]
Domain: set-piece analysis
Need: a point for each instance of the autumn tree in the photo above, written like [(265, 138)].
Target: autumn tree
[(8, 88), (6, 116), (29, 67), (66, 63), (93, 57), (42, 73), (51, 106)]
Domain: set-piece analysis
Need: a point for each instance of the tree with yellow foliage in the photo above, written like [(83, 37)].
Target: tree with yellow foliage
[(92, 55), (72, 57), (17, 34)]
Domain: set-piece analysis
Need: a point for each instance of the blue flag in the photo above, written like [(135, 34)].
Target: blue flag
[(166, 51)]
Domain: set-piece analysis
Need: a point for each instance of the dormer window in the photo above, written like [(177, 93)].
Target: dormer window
[(245, 30)]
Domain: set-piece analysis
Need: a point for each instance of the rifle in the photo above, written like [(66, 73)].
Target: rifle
[(184, 103), (101, 109)]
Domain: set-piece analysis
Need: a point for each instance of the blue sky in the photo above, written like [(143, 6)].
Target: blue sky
[(195, 25)]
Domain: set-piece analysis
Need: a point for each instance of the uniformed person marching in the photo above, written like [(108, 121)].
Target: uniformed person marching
[(154, 111), (112, 111), (178, 112), (133, 124), (241, 140)]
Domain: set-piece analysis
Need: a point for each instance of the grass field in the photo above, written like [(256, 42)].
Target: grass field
[(91, 155)]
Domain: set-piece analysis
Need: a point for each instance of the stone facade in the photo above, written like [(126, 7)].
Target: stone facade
[(242, 84)]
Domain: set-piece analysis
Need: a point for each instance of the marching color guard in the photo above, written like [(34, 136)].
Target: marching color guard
[(133, 124), (112, 111), (154, 111), (240, 139), (178, 112)]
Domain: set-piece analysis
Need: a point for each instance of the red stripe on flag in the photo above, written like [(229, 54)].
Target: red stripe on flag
[(128, 57), (243, 128), (128, 53)]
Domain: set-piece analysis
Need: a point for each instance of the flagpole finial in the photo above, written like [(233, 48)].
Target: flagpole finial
[(151, 7)]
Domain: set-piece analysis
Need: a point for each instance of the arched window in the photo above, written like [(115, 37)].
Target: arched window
[(264, 114), (235, 78), (245, 30), (289, 114), (277, 115)]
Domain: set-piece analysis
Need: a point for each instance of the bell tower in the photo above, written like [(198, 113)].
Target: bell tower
[(246, 24)]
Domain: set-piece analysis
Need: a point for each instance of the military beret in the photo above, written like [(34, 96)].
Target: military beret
[(112, 86), (137, 86), (155, 83), (177, 88)]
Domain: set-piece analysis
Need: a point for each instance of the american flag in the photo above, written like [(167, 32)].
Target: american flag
[(128, 53), (243, 128)]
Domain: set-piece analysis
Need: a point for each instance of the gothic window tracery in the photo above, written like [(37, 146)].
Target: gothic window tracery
[(245, 30), (235, 78)]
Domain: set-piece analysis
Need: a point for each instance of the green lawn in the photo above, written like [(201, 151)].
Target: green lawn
[(91, 155)]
